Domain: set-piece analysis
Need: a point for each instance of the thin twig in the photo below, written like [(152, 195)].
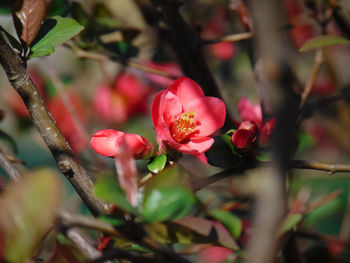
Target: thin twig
[(313, 76), (67, 162), (110, 57), (9, 167), (199, 184), (236, 37), (314, 165)]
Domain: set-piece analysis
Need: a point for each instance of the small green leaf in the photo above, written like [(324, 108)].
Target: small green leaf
[(63, 30), (230, 221), (167, 203), (290, 222), (322, 41), (222, 153), (157, 164), (108, 189)]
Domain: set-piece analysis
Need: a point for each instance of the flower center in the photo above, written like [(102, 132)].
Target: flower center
[(183, 126)]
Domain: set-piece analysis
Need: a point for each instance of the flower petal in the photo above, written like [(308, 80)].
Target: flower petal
[(249, 112), (165, 108), (104, 142), (196, 147), (186, 89), (243, 139), (210, 114)]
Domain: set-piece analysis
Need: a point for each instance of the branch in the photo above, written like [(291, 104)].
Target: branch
[(9, 167), (186, 45), (199, 184), (82, 244), (67, 162), (314, 165), (111, 57)]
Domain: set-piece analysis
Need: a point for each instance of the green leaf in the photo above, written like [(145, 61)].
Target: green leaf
[(157, 164), (28, 211), (113, 221), (290, 222), (9, 140), (322, 212), (63, 30), (167, 203), (108, 189), (230, 221), (323, 41), (223, 154)]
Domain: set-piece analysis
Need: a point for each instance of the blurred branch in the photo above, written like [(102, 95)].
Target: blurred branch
[(9, 167), (186, 45), (268, 16), (230, 38), (313, 76), (82, 244), (80, 53), (236, 37), (71, 220), (67, 162)]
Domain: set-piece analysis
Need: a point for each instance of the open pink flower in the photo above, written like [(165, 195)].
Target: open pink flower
[(107, 143), (252, 126), (184, 118)]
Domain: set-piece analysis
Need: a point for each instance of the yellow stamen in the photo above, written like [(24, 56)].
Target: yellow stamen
[(183, 126)]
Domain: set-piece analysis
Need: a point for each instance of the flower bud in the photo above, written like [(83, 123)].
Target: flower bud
[(107, 143)]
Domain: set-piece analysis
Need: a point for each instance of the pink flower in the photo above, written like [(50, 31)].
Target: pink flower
[(245, 135), (252, 126), (107, 143), (184, 118), (126, 97), (222, 50)]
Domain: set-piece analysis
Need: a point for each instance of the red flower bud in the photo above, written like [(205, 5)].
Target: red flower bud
[(107, 143)]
